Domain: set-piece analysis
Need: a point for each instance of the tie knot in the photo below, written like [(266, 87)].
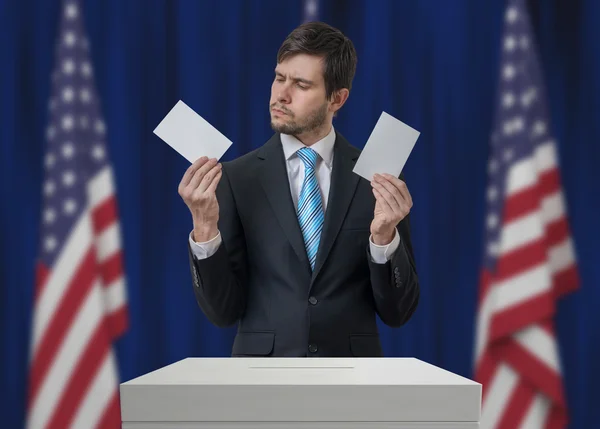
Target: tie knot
[(308, 156)]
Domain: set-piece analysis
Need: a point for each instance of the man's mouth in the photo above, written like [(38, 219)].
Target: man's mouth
[(279, 111)]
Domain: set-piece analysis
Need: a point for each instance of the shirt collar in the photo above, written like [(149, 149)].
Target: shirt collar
[(323, 147)]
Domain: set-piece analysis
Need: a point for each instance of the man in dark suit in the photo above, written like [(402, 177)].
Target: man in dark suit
[(288, 242)]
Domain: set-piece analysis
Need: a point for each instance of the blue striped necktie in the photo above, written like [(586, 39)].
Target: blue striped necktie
[(310, 206)]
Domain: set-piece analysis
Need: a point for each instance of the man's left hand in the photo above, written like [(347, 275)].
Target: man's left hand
[(393, 204)]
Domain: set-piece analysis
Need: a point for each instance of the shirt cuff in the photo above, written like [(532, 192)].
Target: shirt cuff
[(382, 254), (206, 249)]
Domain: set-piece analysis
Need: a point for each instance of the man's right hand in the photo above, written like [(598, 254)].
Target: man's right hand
[(197, 189)]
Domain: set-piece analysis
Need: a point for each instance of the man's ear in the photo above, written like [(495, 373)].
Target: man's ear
[(338, 98)]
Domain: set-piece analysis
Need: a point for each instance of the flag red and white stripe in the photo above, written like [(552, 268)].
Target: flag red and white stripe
[(517, 358), (530, 259), (80, 306)]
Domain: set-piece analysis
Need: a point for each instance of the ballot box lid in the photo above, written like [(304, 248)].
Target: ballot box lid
[(301, 389)]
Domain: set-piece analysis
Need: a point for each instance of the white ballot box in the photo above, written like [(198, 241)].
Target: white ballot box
[(300, 393)]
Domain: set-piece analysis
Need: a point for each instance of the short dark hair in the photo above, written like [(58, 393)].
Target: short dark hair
[(320, 39)]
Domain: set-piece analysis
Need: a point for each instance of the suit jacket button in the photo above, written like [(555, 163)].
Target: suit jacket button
[(313, 348), (397, 271), (313, 300), (398, 283)]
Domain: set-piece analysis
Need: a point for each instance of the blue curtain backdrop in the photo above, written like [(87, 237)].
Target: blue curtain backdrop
[(433, 64)]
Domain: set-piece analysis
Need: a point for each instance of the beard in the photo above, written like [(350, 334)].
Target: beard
[(294, 127)]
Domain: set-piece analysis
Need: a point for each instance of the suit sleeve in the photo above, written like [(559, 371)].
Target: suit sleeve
[(219, 280), (395, 284)]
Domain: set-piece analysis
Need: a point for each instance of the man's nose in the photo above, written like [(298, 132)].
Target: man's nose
[(284, 95)]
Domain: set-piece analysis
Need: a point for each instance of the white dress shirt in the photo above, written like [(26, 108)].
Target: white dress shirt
[(295, 170)]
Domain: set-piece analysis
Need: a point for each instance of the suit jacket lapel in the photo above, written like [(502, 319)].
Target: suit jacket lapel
[(341, 191), (274, 180)]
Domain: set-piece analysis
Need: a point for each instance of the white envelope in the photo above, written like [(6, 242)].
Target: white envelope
[(387, 149), (191, 135)]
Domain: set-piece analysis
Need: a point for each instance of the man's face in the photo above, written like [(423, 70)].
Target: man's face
[(298, 103)]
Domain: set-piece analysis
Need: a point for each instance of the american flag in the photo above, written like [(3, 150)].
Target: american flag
[(80, 303), (529, 261)]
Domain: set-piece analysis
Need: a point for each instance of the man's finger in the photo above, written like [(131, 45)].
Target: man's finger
[(385, 205), (401, 186), (215, 182), (208, 178), (199, 174), (391, 187), (192, 170), (391, 199), (400, 207), (390, 205)]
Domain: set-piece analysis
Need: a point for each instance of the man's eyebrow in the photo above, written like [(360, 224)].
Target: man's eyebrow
[(296, 79), (302, 80)]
